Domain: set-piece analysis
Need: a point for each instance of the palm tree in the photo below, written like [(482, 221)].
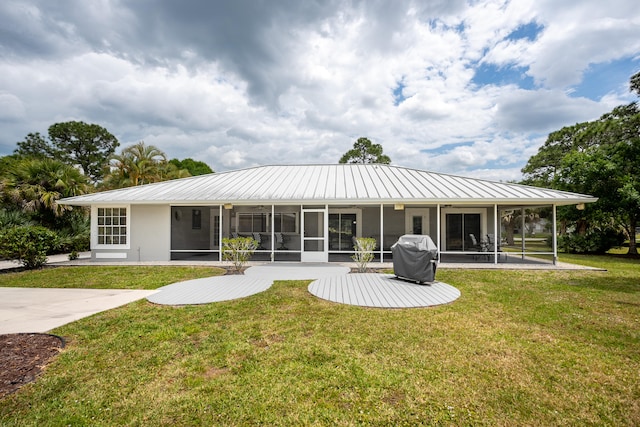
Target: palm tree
[(35, 185), (141, 164)]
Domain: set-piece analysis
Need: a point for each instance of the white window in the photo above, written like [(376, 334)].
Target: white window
[(112, 227), (261, 222), (285, 222), (252, 223)]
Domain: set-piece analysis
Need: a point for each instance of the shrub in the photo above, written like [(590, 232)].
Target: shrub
[(238, 250), (75, 236), (364, 248), (29, 245), (13, 218), (597, 241)]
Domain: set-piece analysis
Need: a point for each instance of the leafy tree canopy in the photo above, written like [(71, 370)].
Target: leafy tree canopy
[(34, 186), (195, 167), (634, 85), (364, 151), (140, 164), (601, 158), (74, 143)]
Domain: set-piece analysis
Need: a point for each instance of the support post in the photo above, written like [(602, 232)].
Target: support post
[(495, 234), (439, 232), (555, 236), (381, 233), (220, 228), (522, 244), (273, 233)]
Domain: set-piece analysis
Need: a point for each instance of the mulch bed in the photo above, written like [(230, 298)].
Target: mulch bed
[(23, 356)]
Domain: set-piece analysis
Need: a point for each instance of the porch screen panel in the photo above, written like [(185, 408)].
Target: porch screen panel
[(454, 232), (459, 228), (471, 226), (417, 224), (313, 231), (284, 223), (342, 229)]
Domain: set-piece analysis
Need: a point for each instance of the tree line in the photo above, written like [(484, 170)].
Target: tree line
[(75, 158), (600, 158)]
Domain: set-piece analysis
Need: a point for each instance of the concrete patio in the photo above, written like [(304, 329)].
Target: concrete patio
[(332, 283)]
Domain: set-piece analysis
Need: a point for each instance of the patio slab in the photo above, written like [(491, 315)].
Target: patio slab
[(296, 271), (382, 291), (209, 289)]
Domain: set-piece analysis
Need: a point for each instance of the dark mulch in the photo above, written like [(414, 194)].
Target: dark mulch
[(22, 358)]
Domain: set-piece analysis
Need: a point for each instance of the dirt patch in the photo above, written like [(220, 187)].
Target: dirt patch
[(23, 356)]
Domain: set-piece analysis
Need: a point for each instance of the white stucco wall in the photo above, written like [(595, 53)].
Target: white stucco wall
[(150, 233)]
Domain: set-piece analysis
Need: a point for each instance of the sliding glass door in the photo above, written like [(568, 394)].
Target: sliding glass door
[(342, 230), (459, 227)]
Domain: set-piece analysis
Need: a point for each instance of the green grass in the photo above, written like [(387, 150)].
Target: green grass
[(517, 348), (106, 277)]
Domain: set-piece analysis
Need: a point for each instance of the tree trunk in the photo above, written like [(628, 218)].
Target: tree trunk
[(509, 228), (633, 249), (581, 226)]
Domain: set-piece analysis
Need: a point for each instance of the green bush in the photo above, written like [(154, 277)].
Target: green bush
[(29, 245), (238, 250), (364, 248), (597, 241)]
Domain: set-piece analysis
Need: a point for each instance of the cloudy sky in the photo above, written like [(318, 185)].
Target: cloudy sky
[(464, 87)]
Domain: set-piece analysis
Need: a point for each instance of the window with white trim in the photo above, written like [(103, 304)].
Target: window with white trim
[(261, 222), (285, 222), (112, 226), (252, 222)]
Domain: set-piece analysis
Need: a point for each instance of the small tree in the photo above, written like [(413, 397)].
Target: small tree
[(364, 248), (29, 245), (238, 250), (364, 151)]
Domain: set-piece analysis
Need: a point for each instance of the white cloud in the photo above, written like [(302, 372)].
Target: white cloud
[(298, 82)]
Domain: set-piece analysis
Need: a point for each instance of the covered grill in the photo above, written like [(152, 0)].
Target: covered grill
[(414, 258)]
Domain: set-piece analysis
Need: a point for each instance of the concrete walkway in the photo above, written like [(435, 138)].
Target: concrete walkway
[(40, 310), (296, 271)]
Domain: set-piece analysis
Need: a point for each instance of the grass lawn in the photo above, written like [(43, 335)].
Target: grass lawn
[(518, 348)]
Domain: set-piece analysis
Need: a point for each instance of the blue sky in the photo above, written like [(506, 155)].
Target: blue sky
[(463, 87)]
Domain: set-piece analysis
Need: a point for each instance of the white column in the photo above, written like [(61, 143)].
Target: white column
[(326, 231), (555, 236), (522, 233), (273, 233), (381, 233), (220, 228), (495, 233), (301, 230), (439, 232)]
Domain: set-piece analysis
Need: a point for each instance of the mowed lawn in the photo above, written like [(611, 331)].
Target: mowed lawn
[(518, 348)]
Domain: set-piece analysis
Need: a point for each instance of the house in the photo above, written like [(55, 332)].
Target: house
[(308, 213)]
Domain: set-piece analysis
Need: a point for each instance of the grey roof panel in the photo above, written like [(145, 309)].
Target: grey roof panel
[(348, 183)]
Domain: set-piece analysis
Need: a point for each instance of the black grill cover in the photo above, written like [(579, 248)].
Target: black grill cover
[(414, 258)]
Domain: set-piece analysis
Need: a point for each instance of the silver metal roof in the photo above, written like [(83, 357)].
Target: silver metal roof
[(331, 184)]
